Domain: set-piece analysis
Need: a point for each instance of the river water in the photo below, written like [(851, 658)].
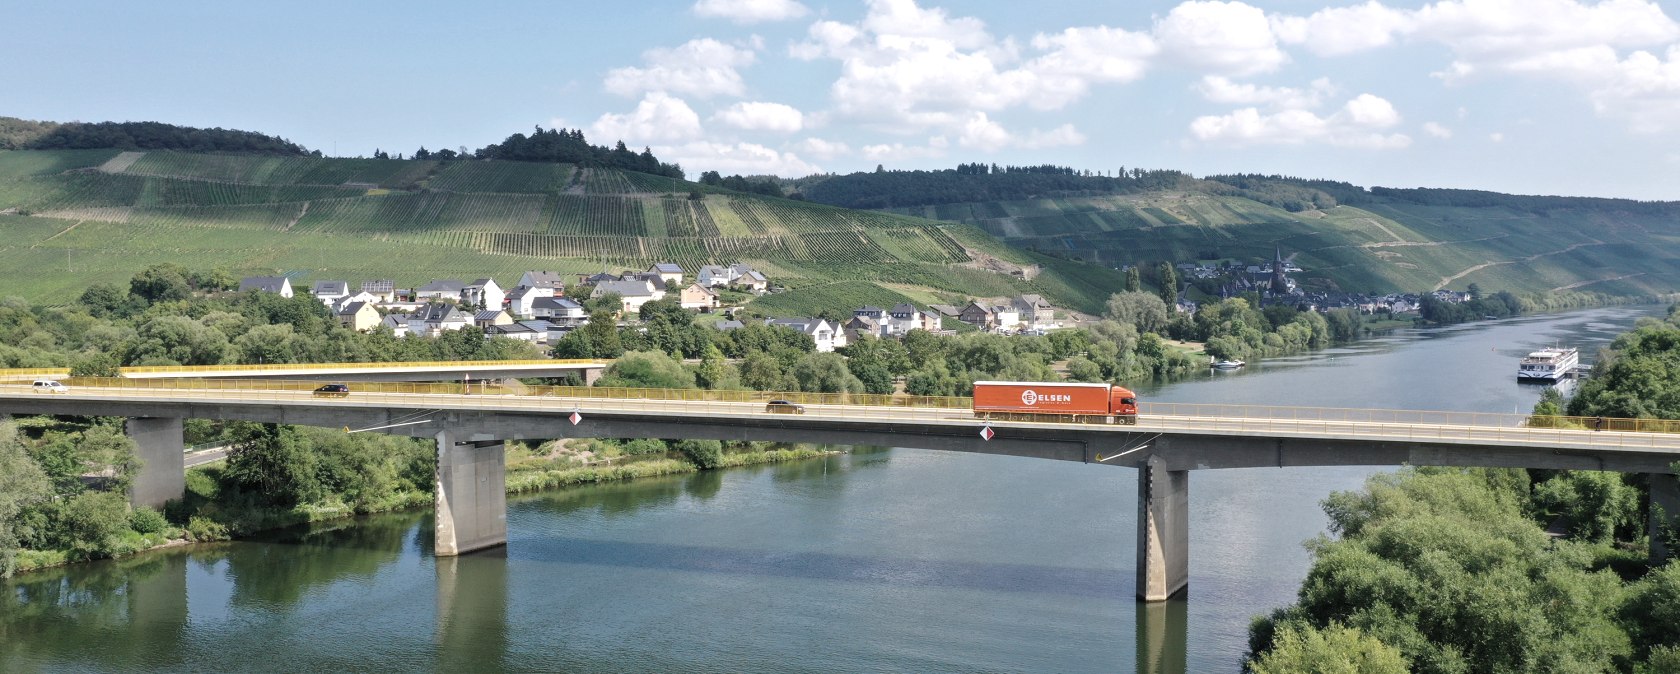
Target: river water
[(874, 561)]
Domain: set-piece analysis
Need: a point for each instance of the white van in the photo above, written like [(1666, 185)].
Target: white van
[(49, 386)]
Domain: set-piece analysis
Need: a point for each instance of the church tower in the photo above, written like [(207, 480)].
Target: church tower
[(1280, 283)]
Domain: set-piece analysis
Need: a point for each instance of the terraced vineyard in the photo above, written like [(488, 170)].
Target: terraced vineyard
[(109, 214)]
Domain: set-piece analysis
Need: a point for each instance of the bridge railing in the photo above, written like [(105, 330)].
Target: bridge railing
[(485, 388), (1317, 417)]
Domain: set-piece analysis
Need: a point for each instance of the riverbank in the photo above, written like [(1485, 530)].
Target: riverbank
[(208, 517)]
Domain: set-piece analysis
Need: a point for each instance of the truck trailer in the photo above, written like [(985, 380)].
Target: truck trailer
[(1059, 401)]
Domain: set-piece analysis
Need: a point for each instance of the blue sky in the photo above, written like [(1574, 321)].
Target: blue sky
[(1578, 97)]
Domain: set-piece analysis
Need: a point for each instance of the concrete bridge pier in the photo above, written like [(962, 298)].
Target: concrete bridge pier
[(1163, 542), (471, 494), (1664, 514), (159, 444)]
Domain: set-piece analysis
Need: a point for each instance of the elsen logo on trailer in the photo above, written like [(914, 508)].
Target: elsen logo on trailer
[(1030, 397)]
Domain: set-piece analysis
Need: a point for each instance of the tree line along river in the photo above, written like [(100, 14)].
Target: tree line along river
[(874, 560)]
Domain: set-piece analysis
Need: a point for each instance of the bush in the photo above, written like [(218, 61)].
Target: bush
[(147, 521), (645, 447), (92, 522), (705, 454), (205, 529)]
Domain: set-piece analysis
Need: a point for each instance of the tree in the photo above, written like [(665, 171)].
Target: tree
[(712, 370), (706, 454), (1341, 649), (165, 282), (22, 483), (646, 369), (602, 334), (271, 463), (107, 301), (1596, 506), (1169, 284), (177, 340), (1141, 310), (1134, 280)]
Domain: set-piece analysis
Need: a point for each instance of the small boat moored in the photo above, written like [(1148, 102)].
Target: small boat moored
[(1225, 364)]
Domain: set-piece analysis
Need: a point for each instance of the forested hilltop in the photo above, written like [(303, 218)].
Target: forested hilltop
[(24, 134)]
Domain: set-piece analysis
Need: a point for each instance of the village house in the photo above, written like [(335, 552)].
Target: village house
[(490, 317), (989, 317), (331, 293), (876, 314), (699, 297), (822, 332), (483, 293), (397, 323), (519, 302), (384, 290), (358, 316), (671, 273), (713, 276), (519, 331), (1035, 312), (631, 294), (657, 281), (448, 290), (595, 279), (543, 279), (905, 317), (433, 319), (278, 285), (559, 310), (749, 279), (860, 326)]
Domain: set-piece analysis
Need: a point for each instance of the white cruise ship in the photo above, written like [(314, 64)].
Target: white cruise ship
[(1549, 364)]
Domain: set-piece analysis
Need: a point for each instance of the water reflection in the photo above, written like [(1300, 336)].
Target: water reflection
[(297, 561), (1162, 637), (133, 614), (472, 631)]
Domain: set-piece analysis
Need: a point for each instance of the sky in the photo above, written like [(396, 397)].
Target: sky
[(1571, 97)]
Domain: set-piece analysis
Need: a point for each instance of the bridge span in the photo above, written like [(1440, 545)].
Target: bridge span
[(1168, 441)]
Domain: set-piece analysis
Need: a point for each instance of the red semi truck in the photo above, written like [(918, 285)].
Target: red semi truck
[(1035, 400)]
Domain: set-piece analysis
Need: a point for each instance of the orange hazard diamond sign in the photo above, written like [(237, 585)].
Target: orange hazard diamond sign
[(986, 433), (575, 418)]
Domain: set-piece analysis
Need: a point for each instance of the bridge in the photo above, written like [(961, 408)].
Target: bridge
[(1168, 441)]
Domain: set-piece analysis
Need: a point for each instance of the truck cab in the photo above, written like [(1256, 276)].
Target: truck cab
[(1122, 402)]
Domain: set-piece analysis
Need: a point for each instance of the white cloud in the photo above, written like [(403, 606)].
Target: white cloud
[(982, 133), (735, 158), (822, 149), (898, 151), (1644, 90), (1344, 30), (703, 67), (1225, 37), (1496, 137), (762, 116), (750, 11), (909, 69), (1360, 123), (1437, 131), (658, 117), (1220, 89)]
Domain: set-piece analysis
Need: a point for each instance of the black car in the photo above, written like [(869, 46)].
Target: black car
[(333, 391), (784, 407)]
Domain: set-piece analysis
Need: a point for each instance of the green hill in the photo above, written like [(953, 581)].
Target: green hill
[(1347, 239), (77, 217)]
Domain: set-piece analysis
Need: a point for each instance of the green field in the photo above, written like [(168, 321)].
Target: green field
[(74, 218)]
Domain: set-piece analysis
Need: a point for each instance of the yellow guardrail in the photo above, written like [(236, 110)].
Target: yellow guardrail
[(478, 388), (436, 364), (29, 372)]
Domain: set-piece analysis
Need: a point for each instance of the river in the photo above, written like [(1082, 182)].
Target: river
[(874, 561)]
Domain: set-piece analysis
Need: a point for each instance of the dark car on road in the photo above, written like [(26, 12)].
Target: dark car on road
[(784, 407), (333, 391)]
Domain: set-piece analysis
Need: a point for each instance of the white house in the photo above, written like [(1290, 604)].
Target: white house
[(671, 273), (383, 290), (447, 289), (484, 293), (749, 279), (361, 296), (559, 310), (278, 285), (632, 294), (825, 334), (331, 293), (696, 296), (398, 324), (433, 319), (520, 300), (714, 276)]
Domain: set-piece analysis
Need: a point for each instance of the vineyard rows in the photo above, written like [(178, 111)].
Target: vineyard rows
[(679, 218), (178, 192), (259, 216), (596, 216), (660, 185), (743, 207), (500, 177), (256, 170), (15, 164), (607, 181), (432, 210)]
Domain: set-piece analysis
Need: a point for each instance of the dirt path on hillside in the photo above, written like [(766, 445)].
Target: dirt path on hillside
[(576, 186), (982, 260), (1573, 286), (1476, 268), (60, 233), (1392, 237), (121, 162), (301, 212)]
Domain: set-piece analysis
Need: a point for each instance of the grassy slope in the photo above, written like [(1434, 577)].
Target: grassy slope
[(1389, 247), (69, 223)]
